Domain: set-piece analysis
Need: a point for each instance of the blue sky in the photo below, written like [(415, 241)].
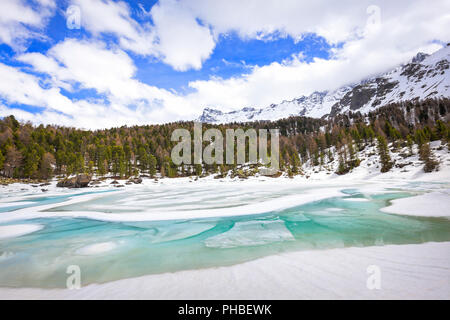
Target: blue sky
[(232, 56), (137, 62)]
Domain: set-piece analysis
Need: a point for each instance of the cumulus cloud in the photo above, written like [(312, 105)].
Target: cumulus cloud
[(78, 64), (25, 89), (183, 42), (366, 40), (253, 18), (387, 35), (19, 21), (114, 18), (175, 36), (184, 33)]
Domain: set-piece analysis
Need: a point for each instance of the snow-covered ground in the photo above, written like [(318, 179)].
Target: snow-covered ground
[(407, 167)]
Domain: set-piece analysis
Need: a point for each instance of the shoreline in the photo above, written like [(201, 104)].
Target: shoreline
[(413, 271), (410, 169)]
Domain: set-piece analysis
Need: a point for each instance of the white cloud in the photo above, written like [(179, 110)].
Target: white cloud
[(183, 34), (175, 36), (20, 22), (75, 64), (404, 29), (183, 42), (89, 63), (24, 88), (253, 18), (109, 17)]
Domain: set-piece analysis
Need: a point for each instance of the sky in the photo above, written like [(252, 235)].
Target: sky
[(105, 63)]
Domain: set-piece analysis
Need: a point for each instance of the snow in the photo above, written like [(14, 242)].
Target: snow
[(433, 83), (369, 168), (18, 230), (156, 214), (416, 271), (254, 195), (434, 204), (96, 248), (316, 105)]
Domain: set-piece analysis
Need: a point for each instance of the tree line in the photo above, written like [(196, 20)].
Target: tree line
[(41, 152)]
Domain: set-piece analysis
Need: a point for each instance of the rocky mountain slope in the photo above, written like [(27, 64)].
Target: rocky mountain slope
[(425, 76)]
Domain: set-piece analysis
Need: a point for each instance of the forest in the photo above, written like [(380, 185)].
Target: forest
[(42, 152)]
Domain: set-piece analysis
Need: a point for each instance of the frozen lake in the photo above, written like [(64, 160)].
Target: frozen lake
[(154, 228)]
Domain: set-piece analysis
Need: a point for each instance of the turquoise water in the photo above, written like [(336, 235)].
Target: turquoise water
[(40, 259), (35, 201)]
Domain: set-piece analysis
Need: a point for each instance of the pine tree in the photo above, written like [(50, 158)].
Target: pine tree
[(441, 130), (383, 151), (342, 168), (152, 165), (427, 156), (353, 161), (143, 159), (31, 163)]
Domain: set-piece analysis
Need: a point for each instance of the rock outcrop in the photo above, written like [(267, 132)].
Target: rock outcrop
[(135, 180), (80, 181)]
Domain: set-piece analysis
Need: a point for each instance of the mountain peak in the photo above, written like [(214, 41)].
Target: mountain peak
[(425, 76), (419, 57)]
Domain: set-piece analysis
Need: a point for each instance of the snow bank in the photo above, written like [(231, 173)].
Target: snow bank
[(406, 272), (433, 204)]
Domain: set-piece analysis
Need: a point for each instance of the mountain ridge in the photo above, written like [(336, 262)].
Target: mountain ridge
[(424, 76)]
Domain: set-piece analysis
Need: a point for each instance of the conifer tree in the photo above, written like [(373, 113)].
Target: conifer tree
[(383, 151), (152, 165), (441, 130), (31, 163), (342, 168), (427, 156)]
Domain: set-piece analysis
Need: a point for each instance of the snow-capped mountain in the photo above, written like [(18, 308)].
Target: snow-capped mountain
[(425, 76)]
